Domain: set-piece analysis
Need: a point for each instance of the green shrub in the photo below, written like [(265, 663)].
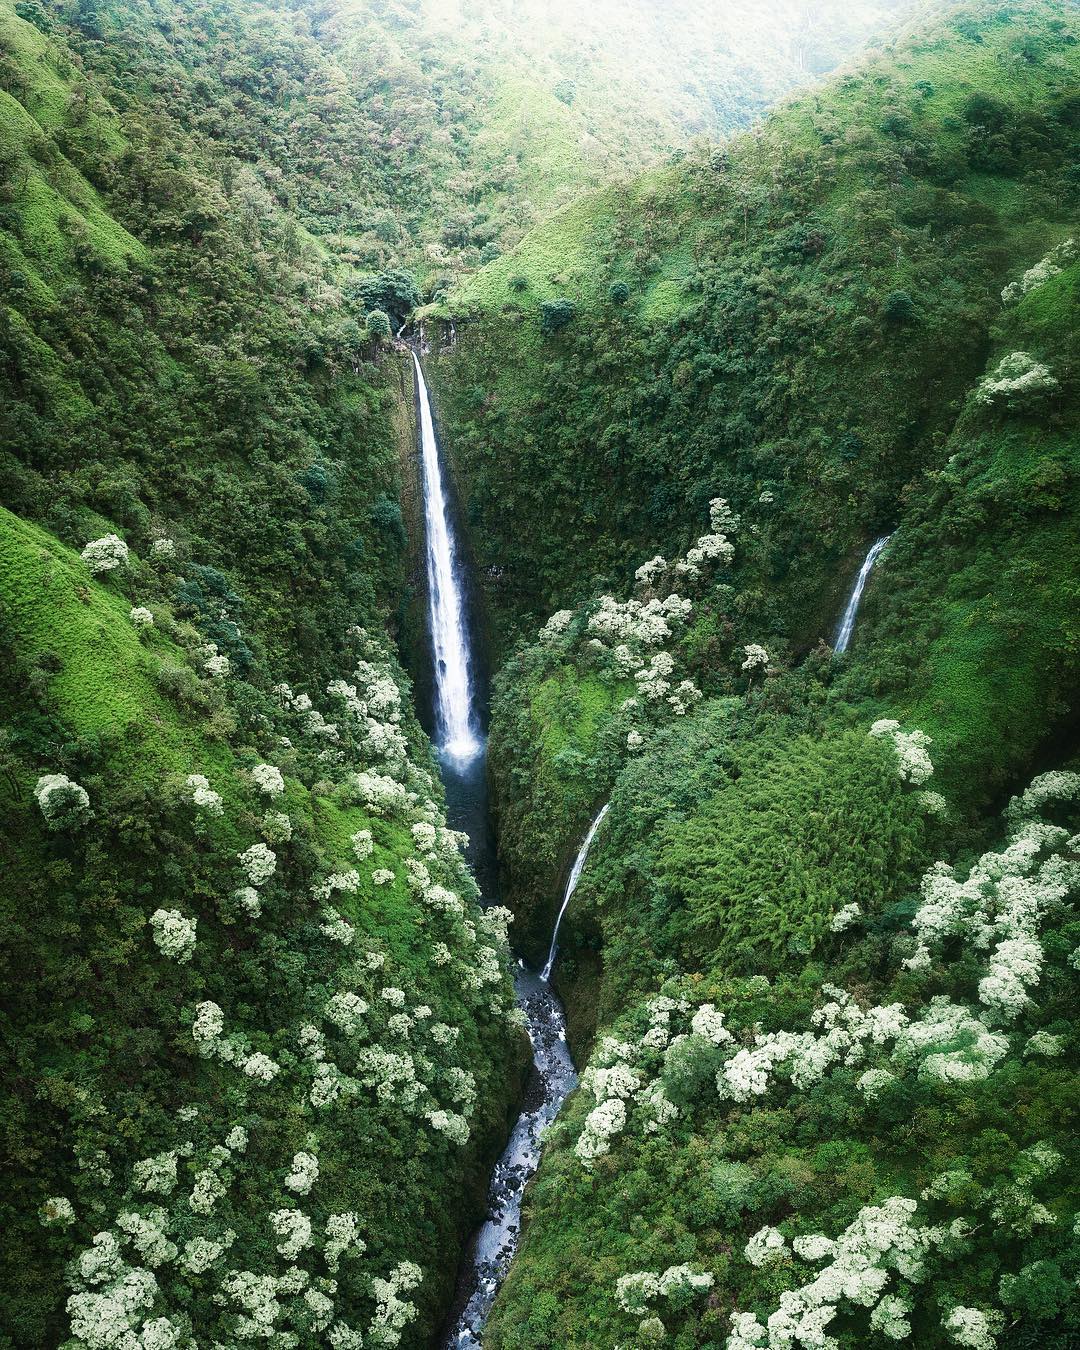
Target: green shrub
[(556, 314)]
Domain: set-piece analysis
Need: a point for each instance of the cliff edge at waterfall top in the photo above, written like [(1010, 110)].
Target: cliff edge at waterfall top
[(539, 761)]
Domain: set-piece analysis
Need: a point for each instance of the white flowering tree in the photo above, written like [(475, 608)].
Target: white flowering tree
[(105, 554), (64, 803), (677, 1071)]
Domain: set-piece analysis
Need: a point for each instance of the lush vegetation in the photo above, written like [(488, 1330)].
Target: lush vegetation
[(433, 134), (789, 298), (253, 1006), (865, 1108), (218, 938), (858, 321), (260, 1041), (823, 428)]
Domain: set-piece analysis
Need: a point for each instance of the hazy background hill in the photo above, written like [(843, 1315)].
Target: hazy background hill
[(434, 133)]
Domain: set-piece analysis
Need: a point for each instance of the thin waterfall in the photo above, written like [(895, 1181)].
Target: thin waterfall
[(847, 623), (456, 729), (571, 887)]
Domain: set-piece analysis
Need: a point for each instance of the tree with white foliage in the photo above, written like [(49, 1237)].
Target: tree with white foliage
[(258, 863), (913, 763), (304, 1174), (294, 1230), (973, 1328), (203, 796), (174, 935), (268, 779), (1018, 381), (64, 804), (767, 1244), (105, 554)]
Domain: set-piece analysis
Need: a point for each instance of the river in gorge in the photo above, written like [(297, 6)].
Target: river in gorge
[(460, 740)]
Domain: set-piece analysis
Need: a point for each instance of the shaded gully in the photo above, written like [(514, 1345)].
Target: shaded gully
[(460, 740)]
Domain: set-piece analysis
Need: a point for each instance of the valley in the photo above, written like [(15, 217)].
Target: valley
[(538, 631)]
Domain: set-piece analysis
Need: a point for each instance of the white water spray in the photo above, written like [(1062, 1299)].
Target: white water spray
[(571, 887), (456, 731), (847, 623)]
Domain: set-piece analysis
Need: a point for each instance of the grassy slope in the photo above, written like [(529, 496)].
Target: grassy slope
[(632, 416), (84, 690), (104, 683), (47, 187), (181, 382)]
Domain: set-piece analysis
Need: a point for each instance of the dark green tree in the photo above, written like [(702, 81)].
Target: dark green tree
[(556, 314), (899, 308)]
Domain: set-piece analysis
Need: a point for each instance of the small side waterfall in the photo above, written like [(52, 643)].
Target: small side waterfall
[(847, 623), (456, 730), (553, 1077), (571, 887)]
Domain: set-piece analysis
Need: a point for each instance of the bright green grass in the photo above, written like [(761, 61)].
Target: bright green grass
[(106, 687), (555, 259), (106, 684), (569, 710), (526, 122), (49, 191), (45, 200), (51, 84)]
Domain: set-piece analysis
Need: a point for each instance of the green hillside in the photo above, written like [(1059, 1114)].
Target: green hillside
[(700, 327), (858, 321), (227, 1043), (765, 317), (142, 907), (430, 133)]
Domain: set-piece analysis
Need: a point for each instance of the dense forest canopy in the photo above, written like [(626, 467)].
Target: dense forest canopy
[(710, 297)]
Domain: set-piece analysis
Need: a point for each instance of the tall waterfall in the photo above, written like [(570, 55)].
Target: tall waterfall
[(847, 623), (571, 887), (459, 736), (456, 730)]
